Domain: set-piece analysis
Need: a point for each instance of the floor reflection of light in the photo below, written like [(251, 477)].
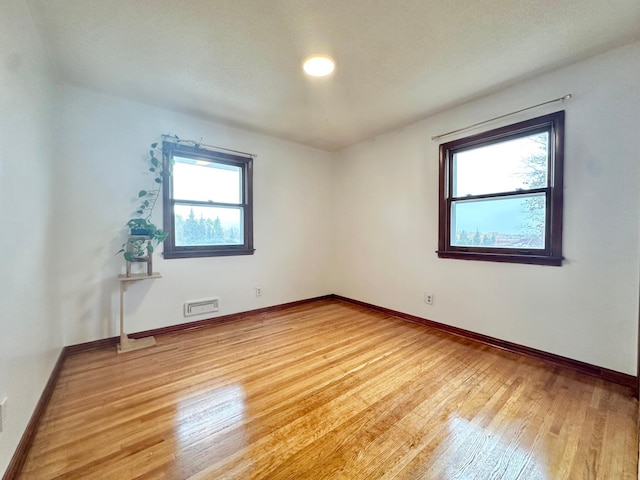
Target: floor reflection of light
[(475, 452), (203, 417)]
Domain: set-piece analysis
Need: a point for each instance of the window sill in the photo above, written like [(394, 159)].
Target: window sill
[(502, 257), (208, 253)]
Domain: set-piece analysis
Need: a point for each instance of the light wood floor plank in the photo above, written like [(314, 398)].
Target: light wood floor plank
[(329, 390)]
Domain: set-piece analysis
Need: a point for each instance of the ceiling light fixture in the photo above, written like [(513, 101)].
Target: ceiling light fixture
[(319, 65)]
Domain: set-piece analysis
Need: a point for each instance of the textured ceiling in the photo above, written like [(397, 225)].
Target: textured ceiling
[(239, 61)]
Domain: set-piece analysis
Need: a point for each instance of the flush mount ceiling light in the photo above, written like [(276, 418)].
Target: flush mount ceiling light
[(319, 65)]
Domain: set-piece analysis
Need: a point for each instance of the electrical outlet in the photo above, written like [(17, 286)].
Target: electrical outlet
[(428, 298), (3, 413), (258, 291)]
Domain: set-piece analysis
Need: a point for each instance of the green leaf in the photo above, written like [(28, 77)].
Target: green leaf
[(152, 169), (154, 145), (128, 257), (142, 193), (154, 161), (120, 251), (149, 248), (139, 212), (158, 180), (152, 153), (146, 203)]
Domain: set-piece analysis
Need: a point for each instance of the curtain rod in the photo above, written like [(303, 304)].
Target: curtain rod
[(193, 143), (560, 99)]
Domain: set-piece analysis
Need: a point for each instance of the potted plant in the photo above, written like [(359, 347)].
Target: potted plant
[(143, 231)]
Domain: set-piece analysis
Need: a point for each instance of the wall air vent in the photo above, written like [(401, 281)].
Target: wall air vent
[(201, 307)]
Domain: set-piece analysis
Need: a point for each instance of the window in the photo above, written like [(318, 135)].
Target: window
[(501, 194), (208, 207)]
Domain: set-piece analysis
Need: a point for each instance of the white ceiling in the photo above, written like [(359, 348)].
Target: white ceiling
[(239, 61)]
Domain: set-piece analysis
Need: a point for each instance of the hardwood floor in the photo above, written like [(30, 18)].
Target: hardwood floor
[(329, 390)]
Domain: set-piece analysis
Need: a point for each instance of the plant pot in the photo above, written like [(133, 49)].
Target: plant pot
[(138, 250)]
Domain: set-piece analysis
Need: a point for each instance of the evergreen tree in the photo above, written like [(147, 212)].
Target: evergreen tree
[(201, 231), (209, 231), (476, 238), (489, 239), (463, 239), (191, 229), (218, 233)]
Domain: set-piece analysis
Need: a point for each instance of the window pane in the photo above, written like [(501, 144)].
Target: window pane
[(206, 181), (502, 167), (196, 225), (512, 222)]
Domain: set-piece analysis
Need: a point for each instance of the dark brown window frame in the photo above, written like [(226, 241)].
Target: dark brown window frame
[(169, 150), (552, 253)]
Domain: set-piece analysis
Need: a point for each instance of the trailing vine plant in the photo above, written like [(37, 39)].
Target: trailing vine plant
[(143, 231)]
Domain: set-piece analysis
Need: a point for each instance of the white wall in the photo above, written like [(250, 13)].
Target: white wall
[(31, 338), (105, 142), (387, 223)]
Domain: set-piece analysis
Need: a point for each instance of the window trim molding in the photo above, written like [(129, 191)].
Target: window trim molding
[(552, 254), (169, 149)]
